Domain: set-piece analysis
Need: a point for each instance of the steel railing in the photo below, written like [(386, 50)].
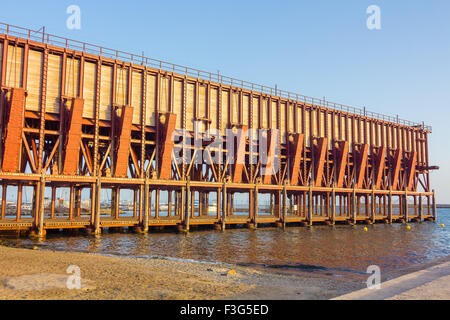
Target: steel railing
[(43, 37)]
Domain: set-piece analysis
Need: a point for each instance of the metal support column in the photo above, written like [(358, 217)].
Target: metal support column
[(406, 206), (187, 212), (98, 187), (333, 206), (224, 205), (420, 208), (390, 206), (434, 206), (147, 204), (284, 206), (310, 204), (372, 207), (41, 210), (353, 203)]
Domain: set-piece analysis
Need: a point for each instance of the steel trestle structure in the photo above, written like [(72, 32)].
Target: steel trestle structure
[(80, 117)]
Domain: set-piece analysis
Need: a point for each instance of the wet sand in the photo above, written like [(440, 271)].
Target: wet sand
[(40, 274)]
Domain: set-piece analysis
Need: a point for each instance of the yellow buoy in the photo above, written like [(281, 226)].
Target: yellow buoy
[(442, 225), (408, 227), (365, 229), (232, 272)]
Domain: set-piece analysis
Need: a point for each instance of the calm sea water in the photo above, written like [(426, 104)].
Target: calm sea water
[(340, 249)]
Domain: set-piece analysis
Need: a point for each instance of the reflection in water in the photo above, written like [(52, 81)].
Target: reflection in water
[(341, 248)]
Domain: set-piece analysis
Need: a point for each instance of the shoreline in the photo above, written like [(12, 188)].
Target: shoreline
[(27, 274), (40, 274)]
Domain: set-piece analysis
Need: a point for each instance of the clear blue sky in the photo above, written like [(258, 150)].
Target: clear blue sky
[(317, 48)]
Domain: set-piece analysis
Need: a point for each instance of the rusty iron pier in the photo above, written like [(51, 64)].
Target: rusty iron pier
[(76, 116)]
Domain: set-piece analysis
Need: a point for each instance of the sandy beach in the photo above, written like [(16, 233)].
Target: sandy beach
[(36, 274), (27, 274)]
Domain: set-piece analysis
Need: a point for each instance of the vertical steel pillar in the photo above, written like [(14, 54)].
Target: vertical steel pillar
[(176, 203), (98, 190), (420, 208), (183, 205), (71, 203), (187, 213), (157, 191), (207, 203), (200, 203), (284, 206), (390, 206), (169, 203), (251, 205), (150, 205), (406, 207), (415, 206), (135, 201), (224, 205), (146, 204), (19, 202), (93, 196), (192, 203), (231, 208), (35, 201), (41, 209), (373, 207), (116, 202), (4, 188), (278, 204), (310, 204), (218, 204), (255, 205), (271, 204), (141, 210), (434, 206), (333, 206), (78, 202)]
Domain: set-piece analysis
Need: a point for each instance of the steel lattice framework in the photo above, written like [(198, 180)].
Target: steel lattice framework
[(79, 116)]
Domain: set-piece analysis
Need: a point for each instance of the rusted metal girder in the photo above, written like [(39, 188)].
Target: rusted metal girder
[(396, 169), (411, 171), (296, 146), (239, 154), (167, 128), (380, 164), (341, 164), (13, 131), (272, 144), (73, 137), (320, 153), (363, 155), (124, 140)]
